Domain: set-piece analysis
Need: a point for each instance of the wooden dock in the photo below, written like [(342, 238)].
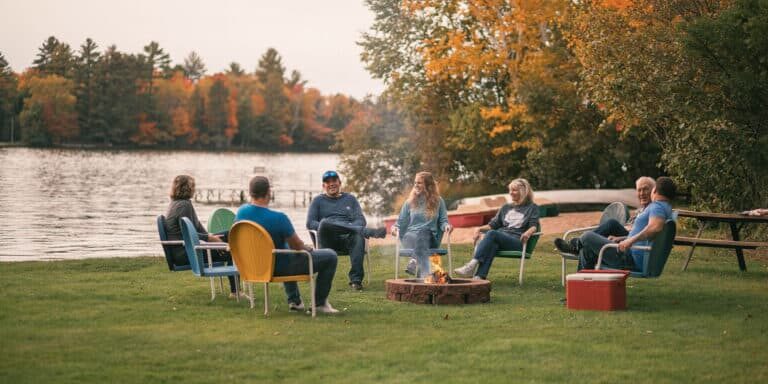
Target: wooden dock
[(294, 198)]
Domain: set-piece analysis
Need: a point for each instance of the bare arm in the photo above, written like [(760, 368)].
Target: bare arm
[(296, 244), (655, 225)]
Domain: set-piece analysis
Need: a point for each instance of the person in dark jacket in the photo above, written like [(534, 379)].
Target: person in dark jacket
[(182, 190), (512, 226)]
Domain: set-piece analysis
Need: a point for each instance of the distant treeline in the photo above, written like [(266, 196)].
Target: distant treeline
[(112, 98)]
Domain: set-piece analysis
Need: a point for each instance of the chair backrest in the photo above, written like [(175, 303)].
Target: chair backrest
[(195, 257), (221, 220), (617, 211), (167, 248), (656, 259), (251, 247)]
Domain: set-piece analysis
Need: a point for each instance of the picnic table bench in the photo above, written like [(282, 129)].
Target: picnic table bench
[(735, 221)]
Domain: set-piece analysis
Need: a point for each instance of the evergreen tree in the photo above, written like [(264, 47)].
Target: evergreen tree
[(8, 96), (117, 107), (235, 69), (194, 68), (54, 58), (85, 88), (270, 73), (218, 96)]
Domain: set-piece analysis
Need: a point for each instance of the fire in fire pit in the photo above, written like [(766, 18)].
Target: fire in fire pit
[(438, 275)]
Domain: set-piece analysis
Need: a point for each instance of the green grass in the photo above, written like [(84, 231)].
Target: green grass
[(132, 321)]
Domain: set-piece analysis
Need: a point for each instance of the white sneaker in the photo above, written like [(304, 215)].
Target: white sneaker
[(411, 268), (296, 307), (468, 269), (327, 309)]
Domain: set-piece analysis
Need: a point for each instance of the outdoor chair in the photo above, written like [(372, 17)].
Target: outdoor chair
[(167, 244), (221, 220), (408, 252), (528, 248), (656, 256), (316, 243), (195, 249), (254, 254), (615, 210)]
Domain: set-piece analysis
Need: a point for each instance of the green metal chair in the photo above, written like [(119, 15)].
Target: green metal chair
[(527, 250), (221, 220), (658, 252), (615, 210)]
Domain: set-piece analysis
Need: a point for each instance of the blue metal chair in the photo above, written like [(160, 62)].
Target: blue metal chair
[(167, 244), (313, 235), (196, 259), (408, 252), (616, 210), (656, 256)]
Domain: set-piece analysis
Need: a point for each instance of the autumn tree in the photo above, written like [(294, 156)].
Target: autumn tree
[(49, 115)]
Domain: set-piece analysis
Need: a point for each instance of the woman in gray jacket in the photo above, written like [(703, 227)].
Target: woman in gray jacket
[(512, 226)]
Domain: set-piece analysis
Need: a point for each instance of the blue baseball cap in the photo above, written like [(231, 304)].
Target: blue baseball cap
[(329, 175)]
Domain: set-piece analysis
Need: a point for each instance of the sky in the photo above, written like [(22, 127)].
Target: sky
[(315, 37)]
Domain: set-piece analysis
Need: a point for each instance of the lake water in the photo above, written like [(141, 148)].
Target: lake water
[(72, 204)]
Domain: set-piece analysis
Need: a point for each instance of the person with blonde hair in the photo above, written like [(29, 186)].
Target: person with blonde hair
[(423, 220), (512, 226)]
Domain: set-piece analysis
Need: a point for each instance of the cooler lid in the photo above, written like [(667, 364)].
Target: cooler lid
[(596, 276)]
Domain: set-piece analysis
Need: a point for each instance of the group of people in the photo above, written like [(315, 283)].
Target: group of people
[(337, 219)]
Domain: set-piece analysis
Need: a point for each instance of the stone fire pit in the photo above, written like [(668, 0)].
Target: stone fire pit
[(458, 291)]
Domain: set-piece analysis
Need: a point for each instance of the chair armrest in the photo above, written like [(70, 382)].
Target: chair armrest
[(294, 252), (313, 237), (574, 230), (206, 246), (616, 245), (172, 242)]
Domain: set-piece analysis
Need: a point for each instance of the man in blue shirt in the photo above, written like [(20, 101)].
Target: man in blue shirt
[(340, 225), (284, 236), (646, 226)]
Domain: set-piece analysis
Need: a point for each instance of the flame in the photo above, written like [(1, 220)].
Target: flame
[(438, 276)]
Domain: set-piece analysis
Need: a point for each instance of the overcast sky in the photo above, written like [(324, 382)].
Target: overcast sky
[(314, 37)]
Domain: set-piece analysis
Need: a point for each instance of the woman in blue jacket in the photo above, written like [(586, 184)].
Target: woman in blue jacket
[(423, 220)]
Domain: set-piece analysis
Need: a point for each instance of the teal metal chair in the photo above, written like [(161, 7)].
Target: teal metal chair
[(658, 252), (615, 210), (527, 250), (195, 249), (221, 220)]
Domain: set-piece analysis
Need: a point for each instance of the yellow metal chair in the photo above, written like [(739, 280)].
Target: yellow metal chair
[(254, 255)]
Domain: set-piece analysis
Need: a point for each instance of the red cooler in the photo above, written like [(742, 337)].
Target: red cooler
[(602, 290)]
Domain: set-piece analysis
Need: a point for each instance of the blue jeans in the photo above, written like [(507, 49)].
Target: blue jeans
[(493, 242), (420, 241), (324, 264), (345, 239), (611, 227), (591, 243)]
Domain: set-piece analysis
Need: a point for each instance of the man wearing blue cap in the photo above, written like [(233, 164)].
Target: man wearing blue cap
[(340, 225)]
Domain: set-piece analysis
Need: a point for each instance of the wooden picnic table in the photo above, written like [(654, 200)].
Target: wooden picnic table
[(736, 221)]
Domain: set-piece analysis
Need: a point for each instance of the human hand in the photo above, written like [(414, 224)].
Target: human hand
[(476, 236), (449, 228), (624, 245), (214, 239)]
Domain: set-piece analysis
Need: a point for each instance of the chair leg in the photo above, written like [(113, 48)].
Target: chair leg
[(522, 268), (562, 275), (368, 263), (266, 299), (221, 284), (312, 293), (213, 289), (250, 294), (397, 257)]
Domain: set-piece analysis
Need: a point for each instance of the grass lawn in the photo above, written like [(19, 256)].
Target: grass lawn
[(130, 320)]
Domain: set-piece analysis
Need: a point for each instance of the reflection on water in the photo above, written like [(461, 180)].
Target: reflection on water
[(69, 204)]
